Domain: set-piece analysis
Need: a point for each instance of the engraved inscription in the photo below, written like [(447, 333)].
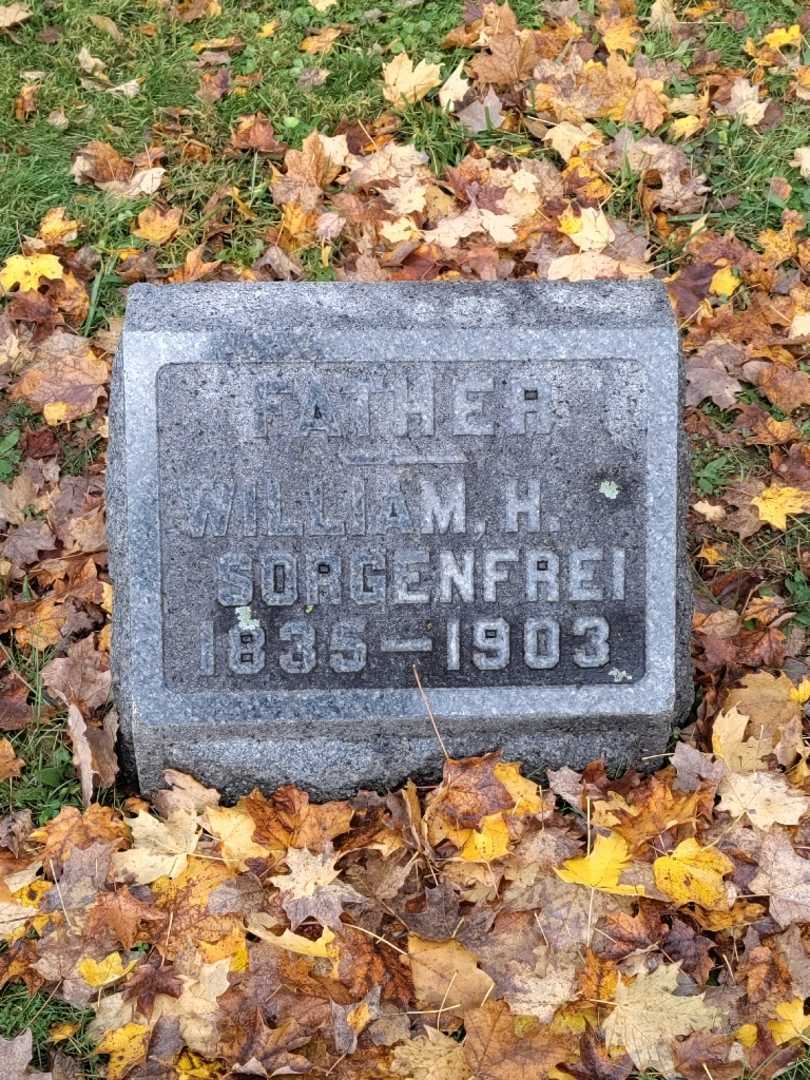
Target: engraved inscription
[(332, 524)]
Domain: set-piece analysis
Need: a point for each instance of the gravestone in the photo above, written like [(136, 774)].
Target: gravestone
[(316, 488)]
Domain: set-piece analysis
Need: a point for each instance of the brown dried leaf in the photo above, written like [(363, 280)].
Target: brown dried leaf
[(255, 132), (499, 1046), (446, 975), (10, 764), (65, 381)]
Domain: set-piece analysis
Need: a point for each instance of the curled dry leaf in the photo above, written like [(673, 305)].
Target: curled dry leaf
[(10, 764), (13, 15)]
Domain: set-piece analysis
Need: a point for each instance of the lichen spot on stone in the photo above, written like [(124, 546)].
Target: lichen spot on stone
[(619, 675), (246, 619), (609, 488)]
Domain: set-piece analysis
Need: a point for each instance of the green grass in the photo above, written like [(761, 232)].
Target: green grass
[(41, 1012), (35, 158)]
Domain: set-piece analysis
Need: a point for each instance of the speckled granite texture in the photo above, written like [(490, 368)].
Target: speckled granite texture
[(314, 487)]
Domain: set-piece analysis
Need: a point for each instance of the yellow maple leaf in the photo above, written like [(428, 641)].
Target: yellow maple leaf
[(27, 271), (266, 30), (692, 874), (793, 1022), (747, 1035), (261, 926), (56, 228), (57, 412), (489, 842), (156, 226), (602, 868), (103, 972), (60, 1032), (730, 745), (801, 693), (783, 36), (232, 947), (724, 282), (622, 35), (159, 849), (395, 232), (44, 627), (776, 502), (404, 84), (321, 42), (524, 791), (126, 1046), (713, 553), (684, 127), (191, 1066), (234, 829)]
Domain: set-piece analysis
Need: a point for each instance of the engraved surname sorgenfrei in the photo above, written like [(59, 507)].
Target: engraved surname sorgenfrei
[(416, 576)]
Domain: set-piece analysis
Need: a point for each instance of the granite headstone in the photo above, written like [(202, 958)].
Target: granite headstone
[(314, 488)]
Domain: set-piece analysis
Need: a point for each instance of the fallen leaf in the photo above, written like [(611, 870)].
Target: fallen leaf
[(430, 1056), (801, 161), (91, 65), (404, 84), (692, 874), (157, 226), (455, 87), (602, 868), (724, 282), (126, 1046), (501, 1046), (104, 972), (10, 764), (234, 829), (793, 1022), (107, 26), (321, 42), (311, 889), (783, 876), (255, 132), (589, 229), (158, 848), (446, 975), (27, 271), (783, 36), (56, 229), (65, 381), (777, 502), (743, 103), (648, 1015), (729, 744), (765, 798), (662, 16), (13, 15)]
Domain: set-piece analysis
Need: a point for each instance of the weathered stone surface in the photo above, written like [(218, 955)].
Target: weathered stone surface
[(314, 488)]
